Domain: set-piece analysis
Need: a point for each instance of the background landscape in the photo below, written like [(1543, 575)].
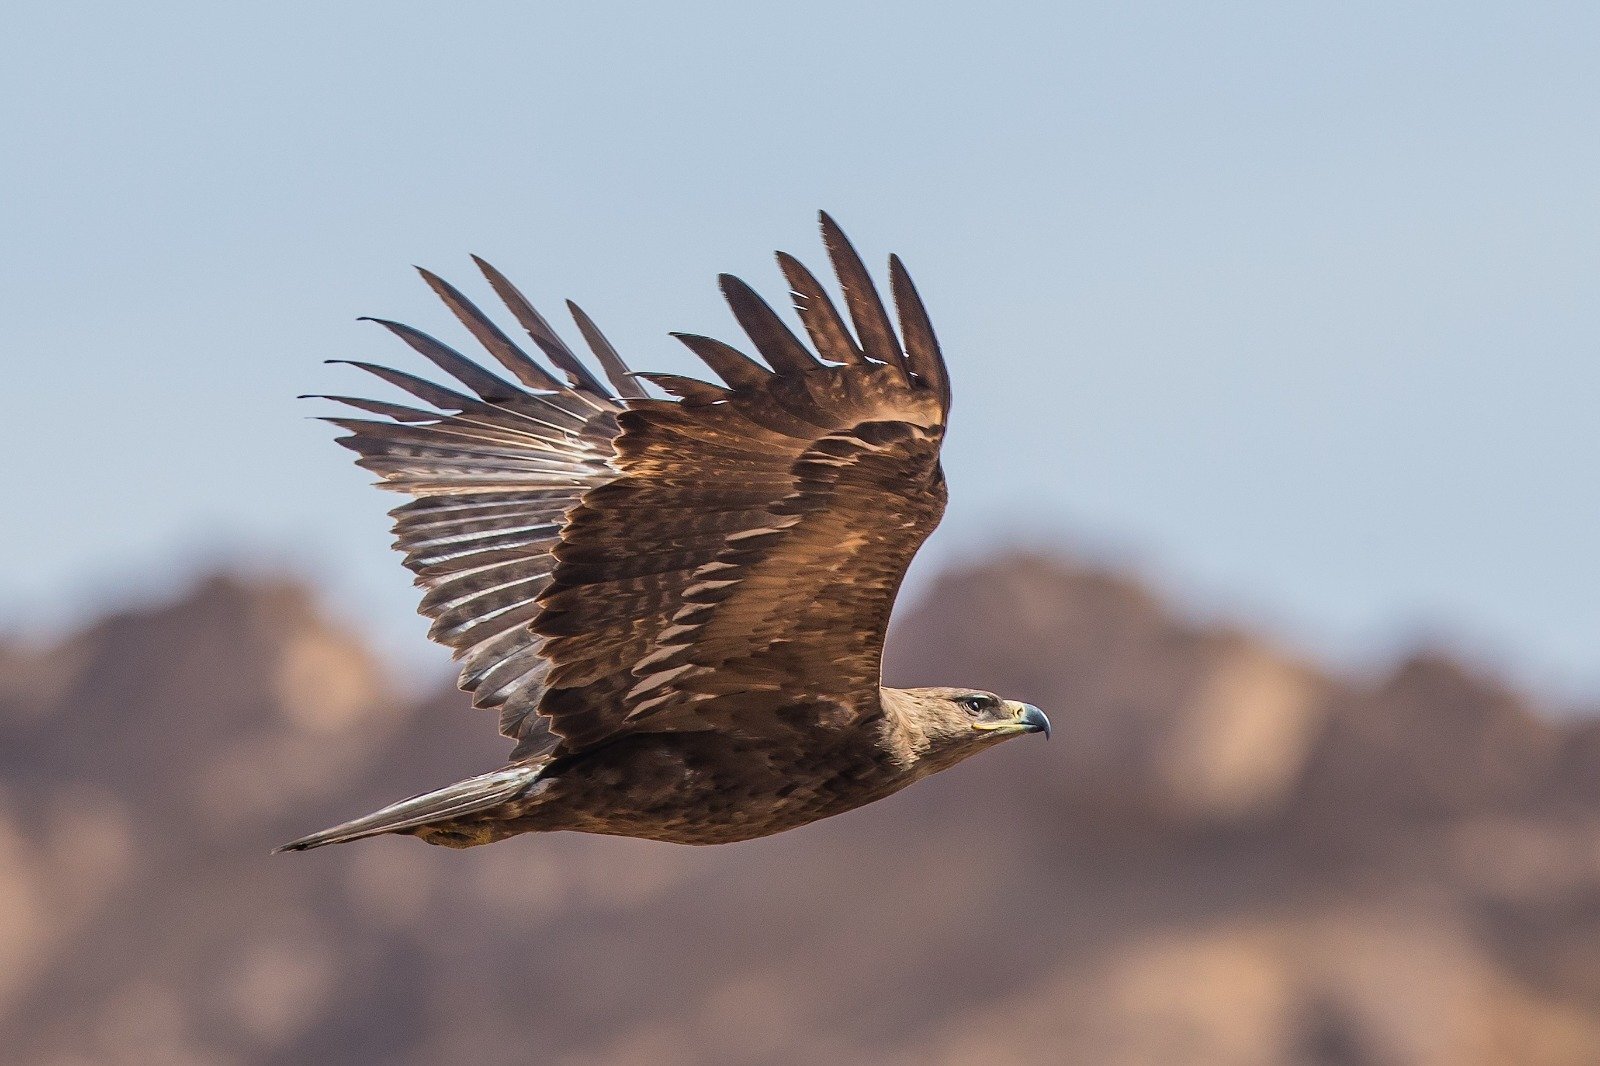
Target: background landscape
[(1224, 856)]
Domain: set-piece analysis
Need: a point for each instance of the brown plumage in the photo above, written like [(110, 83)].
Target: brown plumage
[(677, 606)]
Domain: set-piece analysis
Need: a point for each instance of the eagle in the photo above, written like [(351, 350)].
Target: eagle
[(677, 605)]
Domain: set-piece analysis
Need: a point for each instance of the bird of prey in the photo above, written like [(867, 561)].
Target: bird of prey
[(677, 605)]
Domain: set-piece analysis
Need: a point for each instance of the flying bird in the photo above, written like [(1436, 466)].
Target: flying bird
[(677, 605)]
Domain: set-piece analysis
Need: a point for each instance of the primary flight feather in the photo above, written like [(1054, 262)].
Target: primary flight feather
[(677, 606)]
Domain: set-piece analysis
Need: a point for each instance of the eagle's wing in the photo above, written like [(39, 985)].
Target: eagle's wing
[(726, 559)]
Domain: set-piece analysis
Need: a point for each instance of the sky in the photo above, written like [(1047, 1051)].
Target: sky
[(1291, 307)]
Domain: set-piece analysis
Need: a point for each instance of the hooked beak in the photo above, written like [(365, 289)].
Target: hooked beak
[(1030, 718), (1025, 718)]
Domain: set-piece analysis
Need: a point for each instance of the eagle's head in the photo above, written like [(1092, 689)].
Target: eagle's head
[(939, 727)]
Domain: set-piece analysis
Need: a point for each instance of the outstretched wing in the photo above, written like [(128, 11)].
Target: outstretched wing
[(726, 559), (493, 472)]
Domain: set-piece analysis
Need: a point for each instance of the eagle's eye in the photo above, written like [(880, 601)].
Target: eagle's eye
[(974, 704)]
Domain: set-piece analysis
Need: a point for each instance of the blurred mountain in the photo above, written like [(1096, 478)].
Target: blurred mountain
[(1225, 856)]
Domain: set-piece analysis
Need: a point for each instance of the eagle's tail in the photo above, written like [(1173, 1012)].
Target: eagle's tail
[(472, 796)]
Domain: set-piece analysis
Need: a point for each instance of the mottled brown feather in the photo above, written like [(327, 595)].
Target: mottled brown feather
[(724, 560), (871, 320), (818, 314)]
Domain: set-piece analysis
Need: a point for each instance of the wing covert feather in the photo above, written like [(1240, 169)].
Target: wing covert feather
[(719, 560)]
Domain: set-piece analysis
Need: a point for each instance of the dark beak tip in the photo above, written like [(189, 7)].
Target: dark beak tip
[(1035, 720)]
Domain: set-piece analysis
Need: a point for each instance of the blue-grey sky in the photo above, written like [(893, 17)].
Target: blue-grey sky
[(1291, 305)]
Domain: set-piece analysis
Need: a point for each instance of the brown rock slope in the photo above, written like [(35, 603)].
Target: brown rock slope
[(1223, 857)]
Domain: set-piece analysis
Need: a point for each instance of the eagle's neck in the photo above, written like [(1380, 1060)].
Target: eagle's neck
[(899, 734)]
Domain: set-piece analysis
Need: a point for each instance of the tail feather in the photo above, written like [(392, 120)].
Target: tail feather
[(471, 796)]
